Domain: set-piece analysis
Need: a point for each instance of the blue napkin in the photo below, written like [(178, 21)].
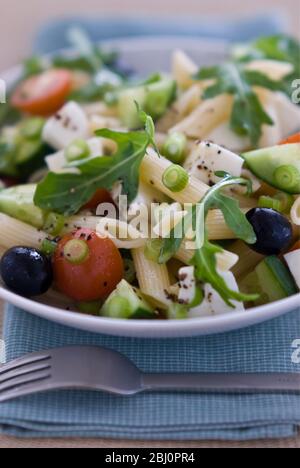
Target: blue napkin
[(179, 416), (160, 416)]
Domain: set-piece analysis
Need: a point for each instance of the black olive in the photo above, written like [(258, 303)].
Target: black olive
[(26, 271), (274, 232)]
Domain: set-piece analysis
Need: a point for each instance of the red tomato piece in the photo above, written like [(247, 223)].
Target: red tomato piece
[(43, 94), (96, 275)]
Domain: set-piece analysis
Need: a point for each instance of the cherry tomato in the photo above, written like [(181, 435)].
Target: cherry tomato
[(88, 269), (292, 139), (101, 196), (8, 181), (43, 94)]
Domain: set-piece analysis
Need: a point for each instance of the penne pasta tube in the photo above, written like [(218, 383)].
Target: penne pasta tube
[(225, 260), (274, 69), (101, 109), (14, 232), (152, 170), (153, 279), (184, 105), (97, 122), (271, 134), (207, 116), (183, 69), (248, 259), (295, 212)]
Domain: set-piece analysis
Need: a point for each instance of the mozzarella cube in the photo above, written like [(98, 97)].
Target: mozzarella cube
[(293, 261), (67, 125), (57, 162), (213, 304), (209, 158)]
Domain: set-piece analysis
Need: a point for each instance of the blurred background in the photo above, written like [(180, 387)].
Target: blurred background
[(20, 20)]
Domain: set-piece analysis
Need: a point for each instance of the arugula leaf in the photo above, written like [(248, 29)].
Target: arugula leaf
[(248, 115), (278, 47), (67, 193), (204, 259), (205, 264), (89, 58)]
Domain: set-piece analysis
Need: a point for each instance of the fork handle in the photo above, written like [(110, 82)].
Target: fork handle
[(223, 383)]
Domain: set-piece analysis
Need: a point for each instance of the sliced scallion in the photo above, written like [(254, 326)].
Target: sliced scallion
[(54, 224), (175, 178), (287, 200), (79, 149), (76, 251), (269, 202), (175, 147), (287, 177)]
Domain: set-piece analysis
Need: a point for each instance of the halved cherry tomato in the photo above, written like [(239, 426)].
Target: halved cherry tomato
[(8, 181), (97, 272), (101, 196), (292, 139), (43, 94)]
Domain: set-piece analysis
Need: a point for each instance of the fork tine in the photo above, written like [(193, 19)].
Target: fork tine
[(28, 359), (24, 370), (31, 388), (18, 382)]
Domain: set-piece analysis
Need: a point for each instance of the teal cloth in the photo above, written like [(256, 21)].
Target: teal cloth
[(178, 416)]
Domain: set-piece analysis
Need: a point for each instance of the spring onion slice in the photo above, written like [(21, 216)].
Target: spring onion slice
[(175, 178)]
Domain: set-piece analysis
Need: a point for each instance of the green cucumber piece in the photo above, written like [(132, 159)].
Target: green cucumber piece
[(266, 163), (271, 279), (153, 98), (17, 202), (126, 302), (127, 106)]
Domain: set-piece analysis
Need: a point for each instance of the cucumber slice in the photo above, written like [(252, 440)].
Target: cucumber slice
[(272, 280), (127, 108), (268, 163), (153, 98), (17, 202), (126, 302)]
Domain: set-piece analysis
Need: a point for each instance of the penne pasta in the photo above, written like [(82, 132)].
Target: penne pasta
[(295, 212), (153, 279), (152, 170), (225, 260), (183, 106), (207, 116), (101, 109), (248, 259), (14, 232), (272, 134), (183, 69)]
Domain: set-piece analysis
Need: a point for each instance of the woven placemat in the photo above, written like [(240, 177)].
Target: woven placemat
[(10, 442)]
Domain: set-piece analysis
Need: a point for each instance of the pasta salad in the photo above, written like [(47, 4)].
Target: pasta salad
[(167, 197)]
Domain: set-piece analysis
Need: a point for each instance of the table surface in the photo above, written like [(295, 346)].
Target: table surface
[(24, 24), (9, 442)]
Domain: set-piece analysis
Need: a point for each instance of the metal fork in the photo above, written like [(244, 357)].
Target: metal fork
[(101, 369)]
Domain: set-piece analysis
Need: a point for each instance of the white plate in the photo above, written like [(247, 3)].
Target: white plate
[(148, 55)]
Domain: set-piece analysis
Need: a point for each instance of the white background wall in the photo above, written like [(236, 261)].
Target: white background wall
[(19, 19)]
